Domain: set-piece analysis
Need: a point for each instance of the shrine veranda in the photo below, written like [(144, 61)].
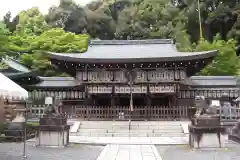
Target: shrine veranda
[(162, 80)]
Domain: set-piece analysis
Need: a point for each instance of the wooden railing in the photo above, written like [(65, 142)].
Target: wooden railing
[(123, 112), (230, 114)]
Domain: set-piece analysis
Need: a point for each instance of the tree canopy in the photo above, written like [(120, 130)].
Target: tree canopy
[(68, 28)]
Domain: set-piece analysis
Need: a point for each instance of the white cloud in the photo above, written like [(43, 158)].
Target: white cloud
[(15, 6)]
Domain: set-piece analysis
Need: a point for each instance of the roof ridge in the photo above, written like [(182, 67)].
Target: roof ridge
[(57, 78), (131, 42)]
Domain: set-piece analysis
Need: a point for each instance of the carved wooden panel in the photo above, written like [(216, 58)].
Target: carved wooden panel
[(187, 94), (182, 74), (162, 88), (141, 76), (236, 93), (218, 94), (119, 76), (205, 94), (99, 89), (176, 74), (135, 89), (183, 94), (179, 94), (79, 76), (192, 94), (232, 93), (165, 75), (214, 94)]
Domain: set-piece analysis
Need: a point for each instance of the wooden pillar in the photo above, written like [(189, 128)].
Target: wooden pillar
[(88, 105), (148, 105), (112, 106), (113, 100)]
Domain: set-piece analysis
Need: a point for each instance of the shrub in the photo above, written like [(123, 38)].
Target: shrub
[(3, 126)]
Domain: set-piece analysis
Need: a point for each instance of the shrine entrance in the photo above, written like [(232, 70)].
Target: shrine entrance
[(145, 107), (139, 107)]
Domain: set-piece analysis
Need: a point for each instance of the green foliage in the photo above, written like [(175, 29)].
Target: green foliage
[(33, 39), (226, 63), (53, 40), (31, 22), (66, 28), (3, 39), (3, 126), (183, 42), (3, 66)]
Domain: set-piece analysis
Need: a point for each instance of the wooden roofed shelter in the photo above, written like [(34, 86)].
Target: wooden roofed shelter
[(162, 79)]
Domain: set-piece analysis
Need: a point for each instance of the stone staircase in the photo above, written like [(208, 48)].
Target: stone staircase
[(137, 129)]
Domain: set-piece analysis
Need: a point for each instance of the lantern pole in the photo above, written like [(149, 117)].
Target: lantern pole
[(200, 20)]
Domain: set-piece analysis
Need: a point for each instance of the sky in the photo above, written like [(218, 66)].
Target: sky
[(15, 6)]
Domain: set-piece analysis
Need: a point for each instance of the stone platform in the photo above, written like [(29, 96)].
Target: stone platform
[(129, 152), (129, 140)]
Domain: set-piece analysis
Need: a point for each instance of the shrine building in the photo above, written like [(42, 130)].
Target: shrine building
[(125, 79)]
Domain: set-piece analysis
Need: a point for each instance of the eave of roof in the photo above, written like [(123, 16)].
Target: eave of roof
[(21, 75), (56, 82), (196, 81), (118, 51), (14, 64), (206, 81)]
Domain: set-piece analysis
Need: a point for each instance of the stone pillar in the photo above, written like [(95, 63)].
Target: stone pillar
[(234, 134)]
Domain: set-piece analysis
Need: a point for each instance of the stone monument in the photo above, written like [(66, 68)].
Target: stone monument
[(205, 122), (234, 135), (53, 130), (16, 127)]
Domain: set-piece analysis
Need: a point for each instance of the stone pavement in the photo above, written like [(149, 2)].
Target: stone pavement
[(129, 152), (129, 140), (14, 151), (183, 152)]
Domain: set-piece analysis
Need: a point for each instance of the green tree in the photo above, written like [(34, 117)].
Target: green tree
[(3, 39), (68, 15), (226, 63), (32, 50), (31, 22)]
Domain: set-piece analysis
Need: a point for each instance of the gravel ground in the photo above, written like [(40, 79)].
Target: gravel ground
[(230, 152), (13, 151)]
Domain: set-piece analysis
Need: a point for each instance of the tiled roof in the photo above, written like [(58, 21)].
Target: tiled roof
[(56, 82), (107, 51), (14, 64), (214, 80), (130, 42)]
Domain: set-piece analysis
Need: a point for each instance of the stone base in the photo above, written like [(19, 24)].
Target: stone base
[(207, 141), (15, 129), (234, 138), (58, 136)]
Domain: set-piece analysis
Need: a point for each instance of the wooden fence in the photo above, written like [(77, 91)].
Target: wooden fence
[(138, 113)]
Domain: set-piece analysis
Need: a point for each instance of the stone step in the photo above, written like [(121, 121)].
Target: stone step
[(138, 129), (148, 123), (93, 134), (132, 127), (127, 131)]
